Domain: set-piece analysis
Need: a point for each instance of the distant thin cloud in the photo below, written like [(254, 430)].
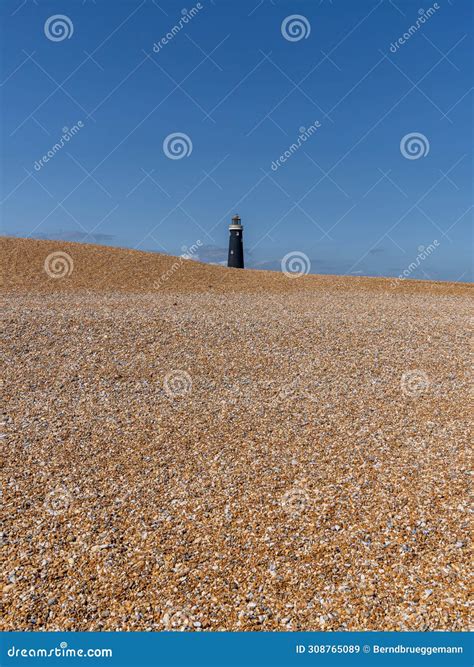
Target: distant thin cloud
[(80, 237), (212, 254)]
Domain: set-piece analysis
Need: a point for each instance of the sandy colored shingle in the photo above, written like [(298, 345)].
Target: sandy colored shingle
[(236, 450)]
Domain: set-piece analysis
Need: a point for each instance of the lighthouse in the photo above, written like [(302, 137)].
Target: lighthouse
[(236, 246)]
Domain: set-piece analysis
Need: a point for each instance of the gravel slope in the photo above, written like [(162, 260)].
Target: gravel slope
[(232, 450)]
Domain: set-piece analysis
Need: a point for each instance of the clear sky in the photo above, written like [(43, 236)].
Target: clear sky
[(243, 82)]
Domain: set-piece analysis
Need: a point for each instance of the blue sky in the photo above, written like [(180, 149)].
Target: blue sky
[(242, 90)]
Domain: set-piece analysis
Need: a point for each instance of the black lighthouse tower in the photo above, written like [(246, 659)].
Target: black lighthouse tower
[(236, 246)]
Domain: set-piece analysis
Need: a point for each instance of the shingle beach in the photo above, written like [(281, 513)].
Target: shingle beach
[(230, 450)]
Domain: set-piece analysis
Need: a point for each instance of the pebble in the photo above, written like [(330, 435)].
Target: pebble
[(270, 454)]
